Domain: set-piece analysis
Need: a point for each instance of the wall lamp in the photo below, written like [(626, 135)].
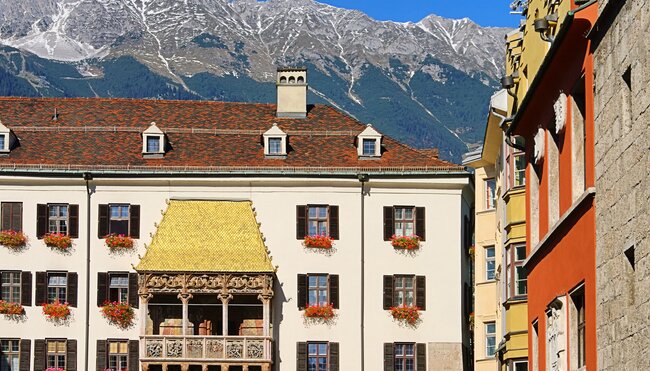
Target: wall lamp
[(543, 26), (508, 82)]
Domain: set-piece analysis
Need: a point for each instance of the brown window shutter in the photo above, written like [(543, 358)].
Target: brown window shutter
[(25, 355), (334, 357), (72, 289), (26, 289), (17, 216), (41, 288), (102, 288), (421, 292), (389, 225), (389, 357), (134, 300), (334, 222), (134, 224), (334, 290), (301, 357), (388, 292), (73, 218), (102, 222), (302, 291), (6, 216), (101, 355), (420, 225), (41, 220), (134, 355), (421, 357), (301, 221), (39, 354), (71, 356)]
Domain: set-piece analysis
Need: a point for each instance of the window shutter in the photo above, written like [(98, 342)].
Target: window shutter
[(134, 300), (334, 222), (41, 220), (388, 292), (71, 356), (72, 289), (102, 288), (17, 216), (6, 216), (301, 357), (39, 354), (389, 225), (25, 355), (101, 355), (334, 290), (421, 292), (73, 217), (421, 357), (41, 288), (134, 355), (420, 225), (134, 225), (302, 291), (389, 357), (301, 221), (102, 222), (334, 357), (26, 289)]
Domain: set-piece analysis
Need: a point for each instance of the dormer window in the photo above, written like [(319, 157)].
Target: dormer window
[(275, 142), (369, 147), (153, 142), (5, 139), (275, 146), (369, 143), (3, 142)]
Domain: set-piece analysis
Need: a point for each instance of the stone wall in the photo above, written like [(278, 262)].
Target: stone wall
[(445, 356), (622, 118)]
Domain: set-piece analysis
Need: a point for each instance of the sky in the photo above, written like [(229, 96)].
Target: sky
[(483, 12)]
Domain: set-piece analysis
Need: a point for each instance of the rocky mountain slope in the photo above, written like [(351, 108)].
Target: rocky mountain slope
[(426, 83)]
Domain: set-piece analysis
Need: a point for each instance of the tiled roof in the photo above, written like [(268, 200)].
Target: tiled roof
[(207, 236), (107, 132)]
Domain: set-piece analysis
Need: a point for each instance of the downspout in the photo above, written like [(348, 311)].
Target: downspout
[(363, 178), (504, 121), (87, 177)]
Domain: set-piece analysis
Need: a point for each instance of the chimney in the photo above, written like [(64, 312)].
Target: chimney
[(291, 86)]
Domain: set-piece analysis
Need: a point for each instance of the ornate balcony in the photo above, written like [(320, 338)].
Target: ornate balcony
[(205, 349)]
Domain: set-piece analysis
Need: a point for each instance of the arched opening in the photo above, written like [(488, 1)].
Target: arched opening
[(292, 80), (283, 79), (301, 80)]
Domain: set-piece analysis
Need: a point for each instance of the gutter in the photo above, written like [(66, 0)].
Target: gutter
[(363, 178), (87, 177)]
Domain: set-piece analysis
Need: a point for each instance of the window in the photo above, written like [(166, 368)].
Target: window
[(404, 291), (118, 287), (320, 220), (275, 146), (56, 350), (519, 366), (317, 357), (57, 287), (490, 194), (369, 143), (490, 263), (318, 290), (11, 287), (9, 354), (404, 221), (119, 219), (405, 357), (117, 355), (519, 170), (58, 219), (153, 144), (12, 216), (578, 327), (516, 280), (3, 141), (369, 147), (490, 338), (317, 220)]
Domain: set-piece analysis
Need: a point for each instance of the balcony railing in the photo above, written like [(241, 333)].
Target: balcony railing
[(158, 348)]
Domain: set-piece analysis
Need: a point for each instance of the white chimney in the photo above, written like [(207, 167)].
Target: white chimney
[(292, 92)]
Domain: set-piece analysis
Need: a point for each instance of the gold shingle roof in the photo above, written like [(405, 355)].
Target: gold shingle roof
[(207, 236)]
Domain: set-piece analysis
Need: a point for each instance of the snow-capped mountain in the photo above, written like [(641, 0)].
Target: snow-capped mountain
[(356, 63)]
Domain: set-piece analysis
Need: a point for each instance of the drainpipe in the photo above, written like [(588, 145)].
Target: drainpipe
[(363, 178), (505, 120), (87, 177)]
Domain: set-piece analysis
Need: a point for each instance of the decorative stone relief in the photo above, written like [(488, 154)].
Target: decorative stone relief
[(255, 349), (154, 348), (235, 349), (206, 283), (174, 348), (560, 112), (538, 151), (214, 348), (555, 335)]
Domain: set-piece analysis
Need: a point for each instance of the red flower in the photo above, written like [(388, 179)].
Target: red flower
[(58, 240), (118, 242), (407, 314), (120, 314), (56, 310), (11, 309), (320, 311), (13, 239), (318, 241), (405, 242)]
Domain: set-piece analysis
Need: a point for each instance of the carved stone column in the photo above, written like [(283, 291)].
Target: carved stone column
[(265, 298), (185, 298), (144, 311), (225, 297)]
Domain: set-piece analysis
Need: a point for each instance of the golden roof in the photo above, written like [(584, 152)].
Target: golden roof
[(207, 236)]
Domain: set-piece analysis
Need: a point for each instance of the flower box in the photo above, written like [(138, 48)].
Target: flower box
[(406, 314), (56, 310), (13, 239), (11, 309), (405, 242), (54, 369), (325, 312), (58, 240), (120, 314), (320, 242), (117, 242)]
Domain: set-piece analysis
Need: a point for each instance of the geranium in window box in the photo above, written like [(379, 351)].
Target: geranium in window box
[(406, 314), (56, 311), (325, 312), (11, 309), (120, 314), (318, 241), (54, 369), (117, 242), (58, 241), (405, 242), (13, 239)]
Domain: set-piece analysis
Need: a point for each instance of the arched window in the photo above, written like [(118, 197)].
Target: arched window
[(292, 80), (283, 79), (301, 80)]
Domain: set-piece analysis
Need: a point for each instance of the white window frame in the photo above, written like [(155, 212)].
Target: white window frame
[(516, 171), (11, 356), (488, 260), (4, 142), (488, 336), (11, 287), (369, 134), (275, 133), (153, 132), (490, 197)]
